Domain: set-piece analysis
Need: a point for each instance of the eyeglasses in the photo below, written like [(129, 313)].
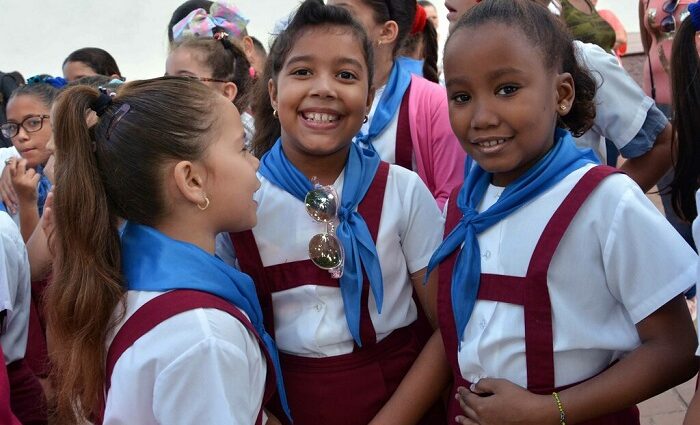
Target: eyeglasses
[(325, 250), (31, 124)]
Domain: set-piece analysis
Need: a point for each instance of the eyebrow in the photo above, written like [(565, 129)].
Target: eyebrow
[(341, 61), (493, 75)]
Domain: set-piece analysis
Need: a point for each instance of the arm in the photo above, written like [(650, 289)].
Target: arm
[(664, 359), (648, 168)]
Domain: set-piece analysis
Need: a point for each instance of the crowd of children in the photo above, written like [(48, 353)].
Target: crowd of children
[(331, 236)]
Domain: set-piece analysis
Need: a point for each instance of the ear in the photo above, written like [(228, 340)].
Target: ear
[(230, 90), (566, 92), (272, 91), (388, 33), (248, 48), (189, 180)]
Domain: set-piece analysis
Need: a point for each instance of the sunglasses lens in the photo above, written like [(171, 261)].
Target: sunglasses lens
[(326, 252), (668, 24), (670, 6), (322, 204)]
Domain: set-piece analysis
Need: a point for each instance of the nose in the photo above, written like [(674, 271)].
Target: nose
[(324, 86), (485, 115)]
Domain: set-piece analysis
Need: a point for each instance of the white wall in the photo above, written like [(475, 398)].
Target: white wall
[(37, 35)]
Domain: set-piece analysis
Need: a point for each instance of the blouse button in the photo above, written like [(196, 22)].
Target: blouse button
[(318, 307), (486, 254)]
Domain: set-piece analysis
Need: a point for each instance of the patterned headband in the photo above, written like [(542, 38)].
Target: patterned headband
[(199, 23)]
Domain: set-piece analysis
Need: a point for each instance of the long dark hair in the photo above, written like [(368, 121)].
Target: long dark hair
[(403, 12), (97, 59), (112, 169), (554, 41), (311, 14), (685, 82)]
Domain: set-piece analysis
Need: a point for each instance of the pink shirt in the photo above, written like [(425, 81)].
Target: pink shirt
[(438, 154)]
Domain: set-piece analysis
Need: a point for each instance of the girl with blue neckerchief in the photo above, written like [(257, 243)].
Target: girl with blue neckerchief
[(28, 126), (408, 123), (561, 284), (145, 318), (685, 193), (342, 240)]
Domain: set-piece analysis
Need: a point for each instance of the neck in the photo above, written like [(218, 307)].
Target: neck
[(324, 169), (187, 231), (382, 68)]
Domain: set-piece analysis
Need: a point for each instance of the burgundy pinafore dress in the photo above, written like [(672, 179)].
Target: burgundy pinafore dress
[(531, 292), (166, 306), (348, 389)]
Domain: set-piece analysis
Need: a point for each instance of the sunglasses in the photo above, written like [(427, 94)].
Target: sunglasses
[(325, 250), (668, 23)]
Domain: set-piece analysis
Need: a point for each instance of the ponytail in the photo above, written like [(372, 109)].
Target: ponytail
[(686, 104), (267, 126), (87, 282), (430, 53)]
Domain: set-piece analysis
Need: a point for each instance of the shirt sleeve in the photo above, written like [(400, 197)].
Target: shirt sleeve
[(14, 289), (422, 224), (211, 383), (621, 105), (647, 263)]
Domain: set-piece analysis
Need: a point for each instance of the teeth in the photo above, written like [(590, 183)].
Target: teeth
[(319, 117), (490, 143)]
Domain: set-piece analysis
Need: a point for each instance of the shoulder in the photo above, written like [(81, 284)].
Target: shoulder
[(9, 233)]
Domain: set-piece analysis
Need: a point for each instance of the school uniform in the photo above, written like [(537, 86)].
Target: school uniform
[(696, 238), (419, 137), (625, 115), (564, 280), (200, 366), (27, 396), (329, 378)]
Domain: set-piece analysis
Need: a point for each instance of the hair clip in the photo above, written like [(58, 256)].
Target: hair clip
[(419, 20), (57, 82), (121, 112)]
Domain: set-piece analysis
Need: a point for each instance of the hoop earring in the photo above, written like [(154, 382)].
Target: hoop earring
[(364, 121), (206, 204), (275, 114)]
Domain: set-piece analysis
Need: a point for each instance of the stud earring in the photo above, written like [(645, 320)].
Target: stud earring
[(275, 113), (366, 119), (206, 203), (562, 107)]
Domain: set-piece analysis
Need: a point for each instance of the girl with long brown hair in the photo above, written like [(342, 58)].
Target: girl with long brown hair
[(146, 315)]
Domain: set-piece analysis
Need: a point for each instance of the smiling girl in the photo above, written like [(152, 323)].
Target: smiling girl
[(560, 282), (342, 240)]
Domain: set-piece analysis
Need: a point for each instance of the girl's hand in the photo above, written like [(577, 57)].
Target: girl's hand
[(7, 192), (501, 402), (24, 181), (47, 222)]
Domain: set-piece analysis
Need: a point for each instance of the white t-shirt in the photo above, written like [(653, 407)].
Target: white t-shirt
[(621, 105), (310, 319), (201, 366), (618, 262), (15, 289)]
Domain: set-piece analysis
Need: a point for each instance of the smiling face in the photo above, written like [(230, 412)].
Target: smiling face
[(231, 177), (503, 100), (31, 145), (321, 93)]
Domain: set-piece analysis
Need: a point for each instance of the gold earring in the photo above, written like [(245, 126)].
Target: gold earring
[(206, 203), (562, 107), (275, 113)]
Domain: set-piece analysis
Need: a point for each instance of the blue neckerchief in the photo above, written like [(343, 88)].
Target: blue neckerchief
[(360, 251), (43, 189), (559, 162), (399, 80), (152, 261), (414, 66)]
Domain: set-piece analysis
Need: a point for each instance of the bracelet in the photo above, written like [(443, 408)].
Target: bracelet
[(562, 415)]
